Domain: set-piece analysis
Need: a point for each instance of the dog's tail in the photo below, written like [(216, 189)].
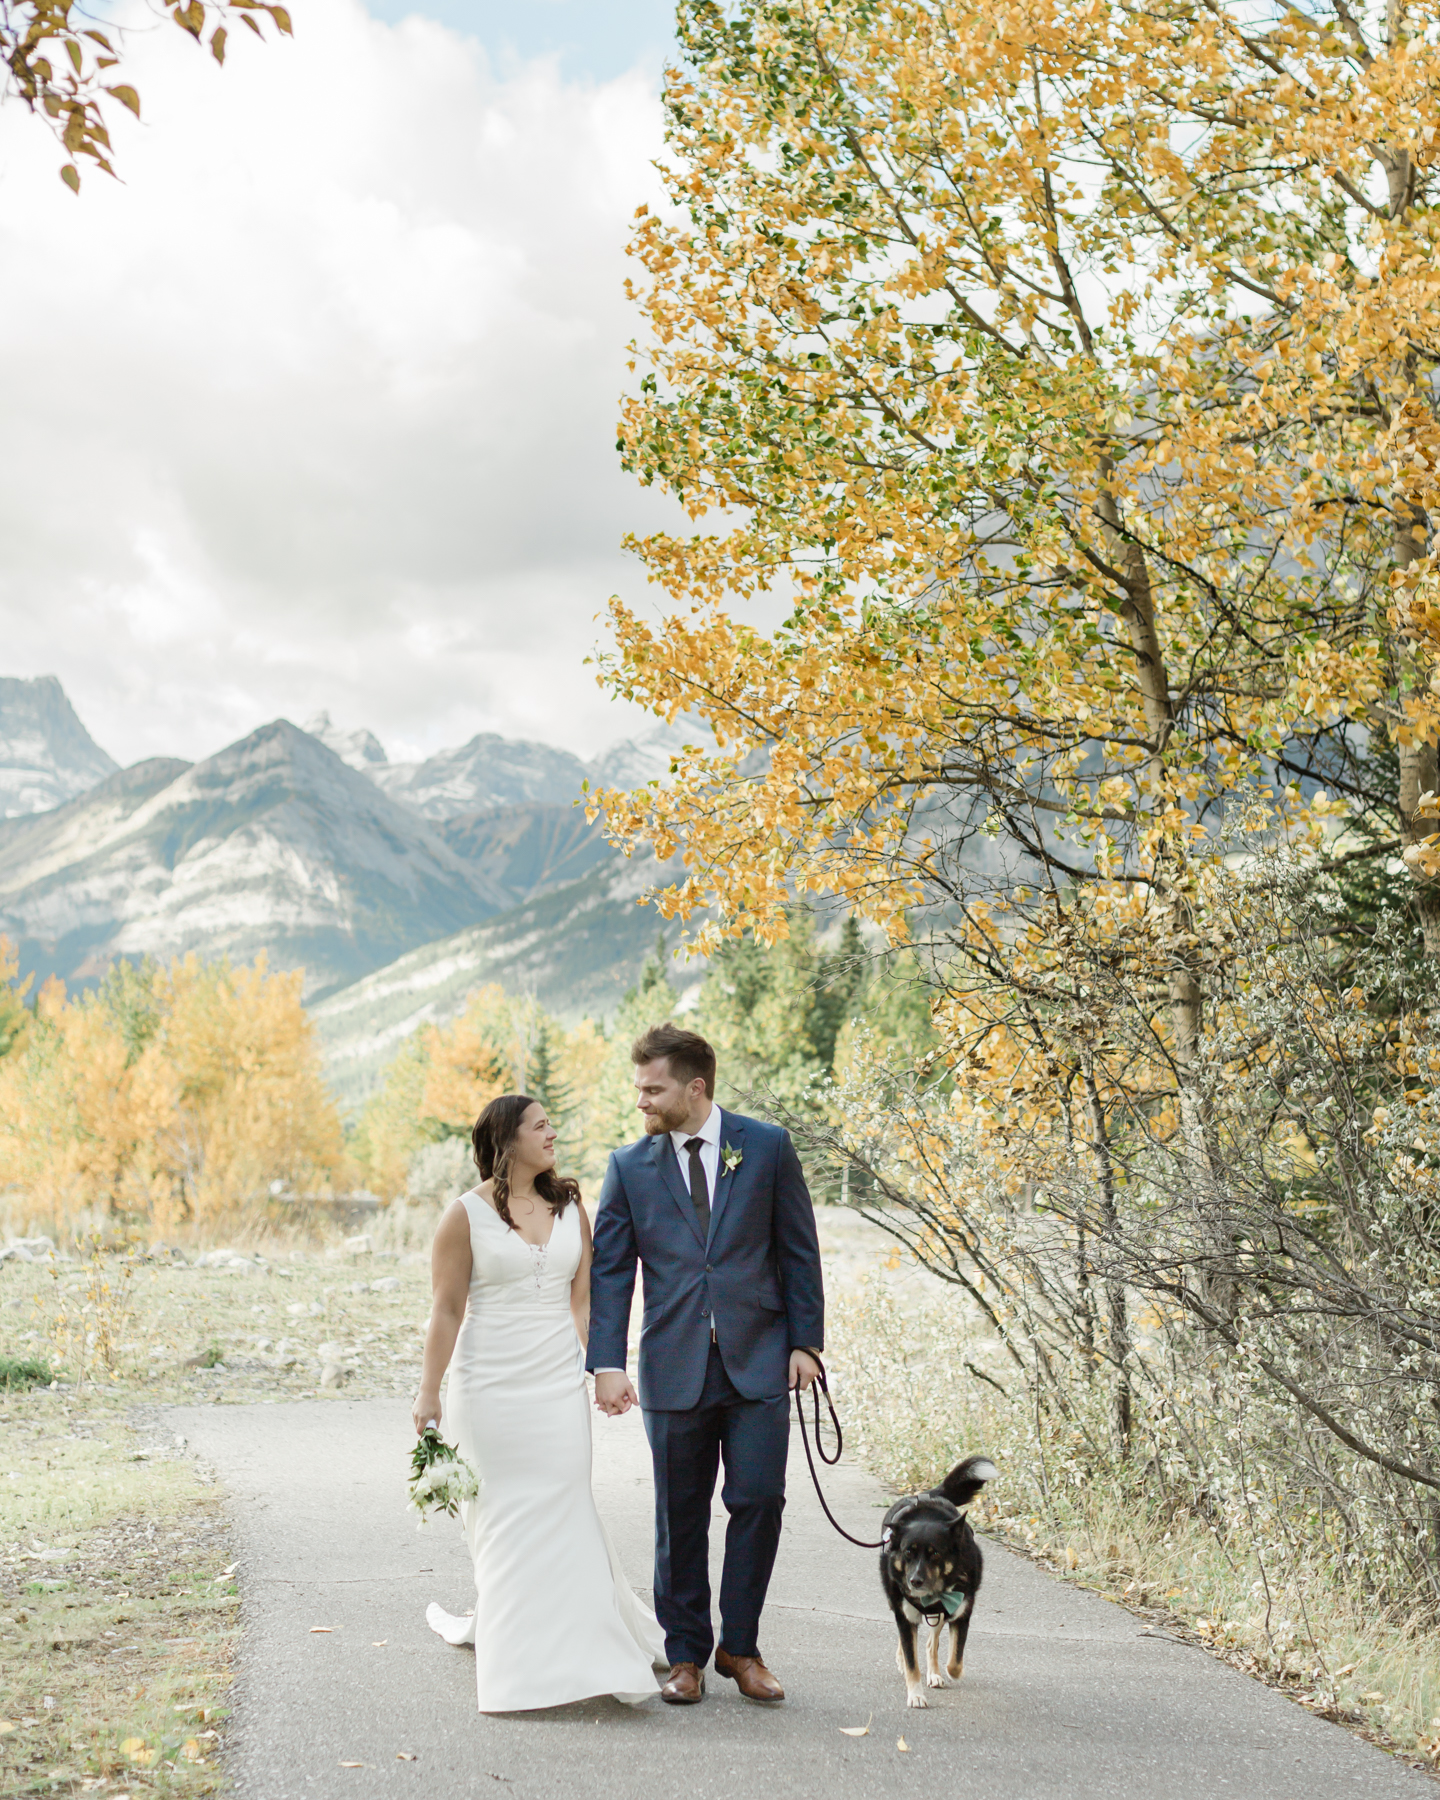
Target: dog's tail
[(966, 1479)]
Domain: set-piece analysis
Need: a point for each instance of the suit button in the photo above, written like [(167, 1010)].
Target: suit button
[(704, 1312), (708, 1269)]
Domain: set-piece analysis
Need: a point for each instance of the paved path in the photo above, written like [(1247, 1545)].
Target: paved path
[(1064, 1694)]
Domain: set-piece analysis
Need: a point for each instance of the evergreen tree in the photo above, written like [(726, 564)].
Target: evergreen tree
[(1381, 921), (842, 978), (650, 1002), (757, 1006), (550, 1082), (783, 1016)]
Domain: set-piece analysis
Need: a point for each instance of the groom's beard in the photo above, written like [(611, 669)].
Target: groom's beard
[(657, 1123)]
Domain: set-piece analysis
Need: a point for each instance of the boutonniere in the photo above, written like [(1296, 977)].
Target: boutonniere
[(731, 1158)]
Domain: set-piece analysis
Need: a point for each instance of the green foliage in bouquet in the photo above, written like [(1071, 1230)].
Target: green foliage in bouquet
[(440, 1477)]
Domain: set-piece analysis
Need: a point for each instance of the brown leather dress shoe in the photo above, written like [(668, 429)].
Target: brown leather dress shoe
[(686, 1686), (751, 1676)]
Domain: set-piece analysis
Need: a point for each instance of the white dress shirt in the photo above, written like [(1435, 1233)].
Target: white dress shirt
[(709, 1135)]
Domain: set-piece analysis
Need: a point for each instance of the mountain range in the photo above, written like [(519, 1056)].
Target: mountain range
[(491, 772), (398, 887)]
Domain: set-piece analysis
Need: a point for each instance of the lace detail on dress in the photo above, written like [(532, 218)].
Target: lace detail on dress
[(539, 1261)]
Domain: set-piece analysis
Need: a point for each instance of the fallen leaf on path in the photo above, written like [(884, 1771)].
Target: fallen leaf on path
[(7, 1725), (857, 1730), (345, 1765), (315, 1628), (406, 1756), (900, 1744), (378, 1643)]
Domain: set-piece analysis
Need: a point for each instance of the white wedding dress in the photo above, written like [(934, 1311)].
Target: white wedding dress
[(554, 1619)]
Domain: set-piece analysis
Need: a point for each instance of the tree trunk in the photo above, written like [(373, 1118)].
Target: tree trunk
[(1419, 764), (1117, 1322)]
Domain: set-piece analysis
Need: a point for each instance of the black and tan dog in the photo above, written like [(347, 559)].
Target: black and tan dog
[(930, 1566)]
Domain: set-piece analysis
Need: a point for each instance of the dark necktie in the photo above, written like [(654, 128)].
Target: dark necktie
[(699, 1192)]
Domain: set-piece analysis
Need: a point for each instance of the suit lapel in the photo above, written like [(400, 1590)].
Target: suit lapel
[(732, 1133), (668, 1169)]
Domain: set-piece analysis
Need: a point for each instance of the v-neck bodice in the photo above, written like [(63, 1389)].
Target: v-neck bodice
[(507, 1268)]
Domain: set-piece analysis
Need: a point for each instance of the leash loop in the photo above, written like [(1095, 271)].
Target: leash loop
[(817, 1387)]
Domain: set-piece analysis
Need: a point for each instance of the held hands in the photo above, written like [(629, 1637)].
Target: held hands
[(614, 1394), (425, 1411)]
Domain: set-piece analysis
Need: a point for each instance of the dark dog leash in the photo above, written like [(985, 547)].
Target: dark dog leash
[(819, 1386)]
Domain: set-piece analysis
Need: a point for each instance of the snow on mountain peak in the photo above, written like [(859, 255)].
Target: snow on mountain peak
[(358, 747), (46, 755), (631, 762)]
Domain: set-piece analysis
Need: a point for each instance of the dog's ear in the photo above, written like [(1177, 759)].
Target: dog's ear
[(966, 1479), (901, 1510), (898, 1513)]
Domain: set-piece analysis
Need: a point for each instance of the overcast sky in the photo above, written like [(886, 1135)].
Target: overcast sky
[(316, 409)]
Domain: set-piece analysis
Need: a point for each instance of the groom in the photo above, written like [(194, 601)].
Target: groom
[(716, 1209)]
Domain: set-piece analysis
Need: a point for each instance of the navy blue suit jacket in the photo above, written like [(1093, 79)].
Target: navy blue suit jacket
[(757, 1277)]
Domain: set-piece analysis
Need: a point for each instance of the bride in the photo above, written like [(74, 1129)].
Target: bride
[(554, 1619)]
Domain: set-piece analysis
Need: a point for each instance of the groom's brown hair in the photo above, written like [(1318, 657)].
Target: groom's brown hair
[(686, 1052)]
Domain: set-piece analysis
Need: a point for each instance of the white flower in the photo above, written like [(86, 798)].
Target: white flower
[(444, 1482)]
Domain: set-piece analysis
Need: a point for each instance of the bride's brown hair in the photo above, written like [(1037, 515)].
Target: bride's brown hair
[(493, 1139)]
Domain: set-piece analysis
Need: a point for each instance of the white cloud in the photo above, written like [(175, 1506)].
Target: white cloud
[(316, 410)]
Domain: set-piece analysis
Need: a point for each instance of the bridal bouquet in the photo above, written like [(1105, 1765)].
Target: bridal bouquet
[(440, 1477)]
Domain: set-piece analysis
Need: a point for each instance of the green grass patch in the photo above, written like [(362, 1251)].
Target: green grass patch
[(21, 1372)]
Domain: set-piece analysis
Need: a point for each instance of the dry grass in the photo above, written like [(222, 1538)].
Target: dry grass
[(267, 1325)]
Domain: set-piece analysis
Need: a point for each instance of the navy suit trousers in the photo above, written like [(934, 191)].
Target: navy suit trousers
[(752, 1436)]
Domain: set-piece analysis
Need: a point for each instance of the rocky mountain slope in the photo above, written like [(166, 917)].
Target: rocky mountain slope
[(46, 755), (273, 844), (528, 849), (577, 948)]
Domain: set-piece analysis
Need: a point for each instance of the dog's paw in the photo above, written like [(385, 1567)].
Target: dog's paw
[(955, 1670), (916, 1697), (936, 1679)]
